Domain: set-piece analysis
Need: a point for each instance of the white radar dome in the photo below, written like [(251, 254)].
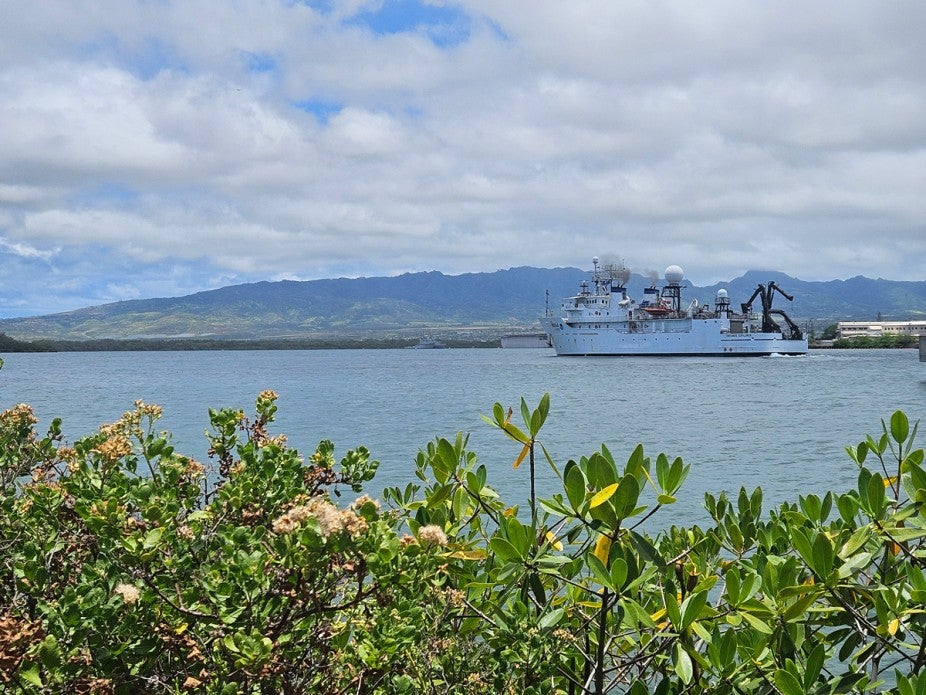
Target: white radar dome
[(722, 294), (674, 274)]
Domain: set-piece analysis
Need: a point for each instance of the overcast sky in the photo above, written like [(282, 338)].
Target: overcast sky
[(156, 148)]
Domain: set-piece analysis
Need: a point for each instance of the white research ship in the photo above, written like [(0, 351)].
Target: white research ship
[(604, 320)]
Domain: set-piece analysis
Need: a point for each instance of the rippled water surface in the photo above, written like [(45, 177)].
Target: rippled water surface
[(778, 422)]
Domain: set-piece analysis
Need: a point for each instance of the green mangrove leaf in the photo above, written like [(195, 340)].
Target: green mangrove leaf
[(525, 413), (787, 683), (802, 545), (518, 535), (756, 623), (599, 571), (646, 549), (672, 609), (813, 666), (822, 555), (692, 607), (551, 619), (601, 472), (900, 426), (575, 487), (505, 550), (683, 665), (618, 573), (732, 579), (848, 506), (856, 541), (626, 496)]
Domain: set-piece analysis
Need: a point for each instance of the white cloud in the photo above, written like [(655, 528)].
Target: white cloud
[(722, 136), (26, 250)]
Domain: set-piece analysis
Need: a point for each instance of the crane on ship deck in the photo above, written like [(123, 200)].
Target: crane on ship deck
[(766, 293)]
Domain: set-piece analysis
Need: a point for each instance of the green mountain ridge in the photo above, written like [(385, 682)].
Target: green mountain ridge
[(416, 303)]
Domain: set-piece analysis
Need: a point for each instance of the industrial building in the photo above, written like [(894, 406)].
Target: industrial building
[(854, 329)]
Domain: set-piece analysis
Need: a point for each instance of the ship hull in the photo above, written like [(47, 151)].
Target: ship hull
[(688, 337)]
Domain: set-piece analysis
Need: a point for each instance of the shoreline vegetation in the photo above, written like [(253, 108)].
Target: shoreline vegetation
[(8, 344), (13, 345), (130, 567)]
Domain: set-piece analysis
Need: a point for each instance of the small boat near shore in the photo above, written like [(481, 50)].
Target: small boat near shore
[(602, 319), (427, 344)]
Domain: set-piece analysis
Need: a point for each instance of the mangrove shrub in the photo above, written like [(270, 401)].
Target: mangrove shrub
[(126, 566)]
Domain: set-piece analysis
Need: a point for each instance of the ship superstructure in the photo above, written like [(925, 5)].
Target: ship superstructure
[(602, 319)]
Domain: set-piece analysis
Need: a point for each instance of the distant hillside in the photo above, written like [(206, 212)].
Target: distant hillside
[(417, 303), (855, 299)]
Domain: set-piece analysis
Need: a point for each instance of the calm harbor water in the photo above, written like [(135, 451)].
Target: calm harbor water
[(778, 422)]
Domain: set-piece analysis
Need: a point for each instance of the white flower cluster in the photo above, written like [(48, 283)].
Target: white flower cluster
[(331, 520)]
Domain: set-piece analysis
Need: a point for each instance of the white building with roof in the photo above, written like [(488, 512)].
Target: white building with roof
[(854, 329)]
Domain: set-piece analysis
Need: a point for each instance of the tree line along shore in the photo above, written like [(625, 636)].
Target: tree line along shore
[(11, 345)]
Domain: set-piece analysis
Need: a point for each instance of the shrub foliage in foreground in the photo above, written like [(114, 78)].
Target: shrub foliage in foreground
[(126, 567)]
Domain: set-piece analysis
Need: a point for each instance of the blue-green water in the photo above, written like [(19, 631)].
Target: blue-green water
[(778, 422)]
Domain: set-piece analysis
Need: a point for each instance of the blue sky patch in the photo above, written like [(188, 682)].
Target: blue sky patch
[(146, 59), (105, 193), (153, 57), (414, 112), (321, 109), (258, 62), (445, 26), (323, 6), (500, 33)]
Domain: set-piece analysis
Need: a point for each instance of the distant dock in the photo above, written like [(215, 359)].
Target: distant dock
[(923, 348)]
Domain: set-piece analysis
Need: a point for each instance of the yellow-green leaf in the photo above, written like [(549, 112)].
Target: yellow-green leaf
[(152, 538), (603, 496), (475, 554), (906, 534), (757, 624), (646, 473), (515, 433), (602, 549), (31, 675), (520, 459)]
